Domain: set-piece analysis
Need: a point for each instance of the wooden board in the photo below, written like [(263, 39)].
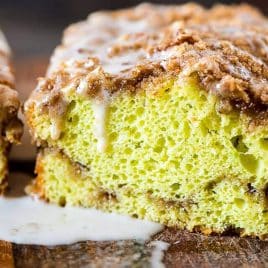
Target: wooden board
[(186, 250)]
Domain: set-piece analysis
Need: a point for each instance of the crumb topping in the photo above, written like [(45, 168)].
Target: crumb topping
[(225, 46)]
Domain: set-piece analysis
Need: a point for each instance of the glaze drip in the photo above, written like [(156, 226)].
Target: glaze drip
[(27, 221), (100, 107), (158, 253)]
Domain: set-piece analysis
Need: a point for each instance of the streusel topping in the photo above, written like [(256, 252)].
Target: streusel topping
[(225, 46)]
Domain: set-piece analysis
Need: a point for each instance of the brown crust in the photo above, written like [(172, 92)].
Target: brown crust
[(226, 47), (11, 126), (6, 146)]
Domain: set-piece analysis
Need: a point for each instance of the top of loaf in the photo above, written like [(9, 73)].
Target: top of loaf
[(225, 46)]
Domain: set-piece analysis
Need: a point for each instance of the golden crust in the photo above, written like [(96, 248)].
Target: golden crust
[(37, 186)]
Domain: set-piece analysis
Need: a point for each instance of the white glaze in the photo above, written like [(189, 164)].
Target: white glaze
[(27, 221), (55, 127), (100, 109), (158, 253), (95, 37)]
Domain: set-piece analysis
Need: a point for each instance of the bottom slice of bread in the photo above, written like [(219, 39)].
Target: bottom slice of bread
[(219, 207)]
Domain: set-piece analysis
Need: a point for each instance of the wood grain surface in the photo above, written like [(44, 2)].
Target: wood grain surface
[(186, 249)]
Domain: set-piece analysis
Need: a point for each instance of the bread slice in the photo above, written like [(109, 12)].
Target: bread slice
[(10, 125), (159, 112)]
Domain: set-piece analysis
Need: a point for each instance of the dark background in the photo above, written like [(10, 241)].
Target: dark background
[(35, 26)]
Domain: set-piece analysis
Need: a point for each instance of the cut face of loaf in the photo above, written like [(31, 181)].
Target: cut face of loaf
[(159, 119), (10, 125)]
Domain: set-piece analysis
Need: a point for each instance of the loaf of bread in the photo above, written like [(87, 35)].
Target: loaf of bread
[(159, 112)]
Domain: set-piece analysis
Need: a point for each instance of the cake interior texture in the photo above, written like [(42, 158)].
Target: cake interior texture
[(170, 157), (167, 152)]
